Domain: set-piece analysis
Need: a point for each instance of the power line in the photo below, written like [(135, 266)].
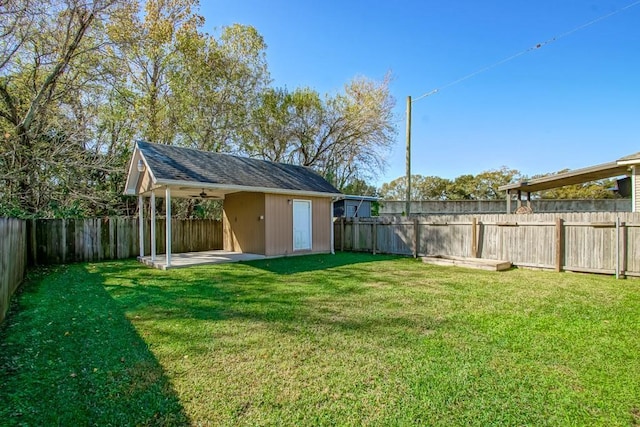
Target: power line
[(535, 47)]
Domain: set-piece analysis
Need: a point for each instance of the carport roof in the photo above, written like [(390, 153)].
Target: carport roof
[(577, 176), (178, 166)]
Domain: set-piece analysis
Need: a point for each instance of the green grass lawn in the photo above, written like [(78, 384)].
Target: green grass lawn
[(350, 339)]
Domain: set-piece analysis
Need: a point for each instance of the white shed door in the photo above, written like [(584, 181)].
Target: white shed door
[(301, 225)]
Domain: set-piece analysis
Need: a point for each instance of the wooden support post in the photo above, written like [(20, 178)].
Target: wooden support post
[(508, 202), (168, 226), (474, 237), (141, 224), (528, 199), (342, 234), (559, 244), (519, 198), (153, 225), (416, 238)]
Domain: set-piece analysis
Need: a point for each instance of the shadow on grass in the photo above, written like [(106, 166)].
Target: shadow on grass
[(69, 356), (307, 263), (249, 290), (254, 291)]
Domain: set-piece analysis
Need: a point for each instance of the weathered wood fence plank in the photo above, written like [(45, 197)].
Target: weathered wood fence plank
[(570, 241), (58, 241), (13, 259)]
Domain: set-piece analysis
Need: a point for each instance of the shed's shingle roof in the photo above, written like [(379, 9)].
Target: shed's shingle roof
[(184, 164)]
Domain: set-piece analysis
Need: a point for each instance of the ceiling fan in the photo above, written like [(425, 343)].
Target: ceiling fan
[(204, 195)]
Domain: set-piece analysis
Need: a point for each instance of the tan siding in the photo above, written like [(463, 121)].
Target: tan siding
[(279, 224), (244, 231), (144, 183), (322, 224)]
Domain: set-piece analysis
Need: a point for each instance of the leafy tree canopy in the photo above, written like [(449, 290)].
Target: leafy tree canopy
[(484, 186), (81, 80)]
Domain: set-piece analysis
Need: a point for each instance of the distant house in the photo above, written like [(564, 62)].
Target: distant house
[(269, 208), (353, 206)]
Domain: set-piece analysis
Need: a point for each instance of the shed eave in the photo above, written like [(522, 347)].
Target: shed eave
[(238, 188), (133, 175)]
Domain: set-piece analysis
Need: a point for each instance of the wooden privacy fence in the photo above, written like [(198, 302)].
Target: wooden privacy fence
[(57, 241), (600, 242), (13, 259)]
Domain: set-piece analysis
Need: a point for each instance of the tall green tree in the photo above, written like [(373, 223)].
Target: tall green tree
[(270, 134), (49, 63), (483, 186), (422, 188), (215, 85), (344, 137), (146, 39), (360, 187)]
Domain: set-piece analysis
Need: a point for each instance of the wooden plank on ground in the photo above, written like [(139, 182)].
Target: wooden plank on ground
[(477, 263)]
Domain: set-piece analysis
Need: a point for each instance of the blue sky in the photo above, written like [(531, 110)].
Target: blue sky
[(572, 103)]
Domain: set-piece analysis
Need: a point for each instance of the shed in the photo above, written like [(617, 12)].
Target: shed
[(269, 208), (350, 206)]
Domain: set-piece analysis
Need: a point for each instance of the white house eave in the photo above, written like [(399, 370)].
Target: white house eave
[(634, 162), (238, 188)]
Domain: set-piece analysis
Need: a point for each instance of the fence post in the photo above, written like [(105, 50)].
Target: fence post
[(416, 238), (559, 244), (374, 238), (341, 234), (33, 245), (355, 234), (474, 237), (623, 249)]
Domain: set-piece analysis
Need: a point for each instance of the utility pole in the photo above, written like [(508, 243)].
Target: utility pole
[(408, 203)]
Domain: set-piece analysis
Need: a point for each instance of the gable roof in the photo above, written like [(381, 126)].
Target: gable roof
[(169, 165)]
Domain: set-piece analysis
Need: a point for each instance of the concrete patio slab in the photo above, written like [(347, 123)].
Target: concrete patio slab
[(189, 259)]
